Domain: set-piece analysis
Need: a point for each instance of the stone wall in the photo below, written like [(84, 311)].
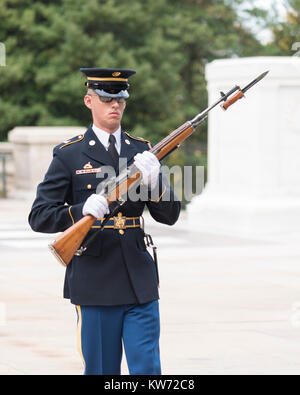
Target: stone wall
[(253, 183), (31, 151), (7, 150)]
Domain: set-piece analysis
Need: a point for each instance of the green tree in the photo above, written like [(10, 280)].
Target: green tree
[(286, 34), (168, 42)]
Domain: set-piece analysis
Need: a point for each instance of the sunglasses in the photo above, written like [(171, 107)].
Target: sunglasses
[(106, 99)]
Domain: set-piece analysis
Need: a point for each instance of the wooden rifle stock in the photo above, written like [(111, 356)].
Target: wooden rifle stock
[(69, 243), (66, 244)]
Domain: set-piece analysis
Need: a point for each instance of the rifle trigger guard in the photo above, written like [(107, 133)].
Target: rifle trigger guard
[(80, 251), (121, 201)]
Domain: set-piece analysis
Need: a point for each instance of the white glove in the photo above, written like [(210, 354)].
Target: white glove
[(149, 166), (96, 205)]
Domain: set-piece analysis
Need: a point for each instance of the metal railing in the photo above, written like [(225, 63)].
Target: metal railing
[(3, 158)]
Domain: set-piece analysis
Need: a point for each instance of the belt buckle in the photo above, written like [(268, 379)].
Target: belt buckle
[(120, 222)]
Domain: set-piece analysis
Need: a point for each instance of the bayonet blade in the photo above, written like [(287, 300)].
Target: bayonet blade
[(260, 77)]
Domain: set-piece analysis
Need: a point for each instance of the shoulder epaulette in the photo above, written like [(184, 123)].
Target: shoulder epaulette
[(72, 141), (139, 139)]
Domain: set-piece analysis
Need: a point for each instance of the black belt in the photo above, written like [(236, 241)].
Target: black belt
[(119, 223)]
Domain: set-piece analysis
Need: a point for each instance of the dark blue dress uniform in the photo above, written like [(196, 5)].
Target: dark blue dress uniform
[(116, 268), (114, 283)]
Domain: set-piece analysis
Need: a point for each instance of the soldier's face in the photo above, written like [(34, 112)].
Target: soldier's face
[(106, 116)]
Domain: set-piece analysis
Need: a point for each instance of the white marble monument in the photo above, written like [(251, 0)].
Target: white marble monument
[(253, 183), (32, 153)]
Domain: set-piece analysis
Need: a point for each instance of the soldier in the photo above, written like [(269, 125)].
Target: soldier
[(114, 283)]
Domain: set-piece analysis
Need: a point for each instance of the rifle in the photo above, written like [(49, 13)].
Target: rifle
[(68, 243)]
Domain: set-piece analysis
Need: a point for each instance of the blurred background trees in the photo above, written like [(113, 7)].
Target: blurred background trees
[(168, 42), (286, 34)]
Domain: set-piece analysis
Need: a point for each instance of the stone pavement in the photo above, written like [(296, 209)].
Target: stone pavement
[(228, 305)]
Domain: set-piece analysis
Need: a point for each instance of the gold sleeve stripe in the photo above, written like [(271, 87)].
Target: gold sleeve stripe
[(158, 200), (73, 222), (81, 137)]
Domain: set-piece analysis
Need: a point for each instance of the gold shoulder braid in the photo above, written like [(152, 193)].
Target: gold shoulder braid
[(72, 141), (139, 139)]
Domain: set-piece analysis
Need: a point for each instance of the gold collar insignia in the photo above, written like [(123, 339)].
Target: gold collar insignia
[(88, 166)]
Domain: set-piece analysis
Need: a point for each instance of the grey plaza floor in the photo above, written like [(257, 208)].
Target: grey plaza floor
[(228, 305)]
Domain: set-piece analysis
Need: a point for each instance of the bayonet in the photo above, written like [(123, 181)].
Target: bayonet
[(69, 243), (241, 92), (260, 77)]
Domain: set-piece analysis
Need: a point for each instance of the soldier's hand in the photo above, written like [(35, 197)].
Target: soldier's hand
[(96, 205), (149, 166)]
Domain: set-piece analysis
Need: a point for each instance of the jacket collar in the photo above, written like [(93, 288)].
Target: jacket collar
[(96, 151)]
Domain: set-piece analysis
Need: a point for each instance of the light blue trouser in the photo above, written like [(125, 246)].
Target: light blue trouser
[(101, 330)]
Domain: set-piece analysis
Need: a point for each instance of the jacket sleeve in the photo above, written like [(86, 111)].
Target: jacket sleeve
[(162, 203), (50, 212)]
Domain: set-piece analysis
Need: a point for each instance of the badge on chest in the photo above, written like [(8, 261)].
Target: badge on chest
[(88, 169)]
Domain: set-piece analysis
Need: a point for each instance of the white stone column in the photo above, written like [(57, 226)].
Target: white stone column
[(253, 183), (7, 149), (32, 154)]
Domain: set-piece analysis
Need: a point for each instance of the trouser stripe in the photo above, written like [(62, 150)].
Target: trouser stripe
[(79, 327)]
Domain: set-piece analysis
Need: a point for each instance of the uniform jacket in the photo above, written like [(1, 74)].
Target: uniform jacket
[(116, 268)]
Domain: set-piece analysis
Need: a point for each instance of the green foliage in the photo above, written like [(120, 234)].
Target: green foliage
[(286, 33), (168, 42)]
